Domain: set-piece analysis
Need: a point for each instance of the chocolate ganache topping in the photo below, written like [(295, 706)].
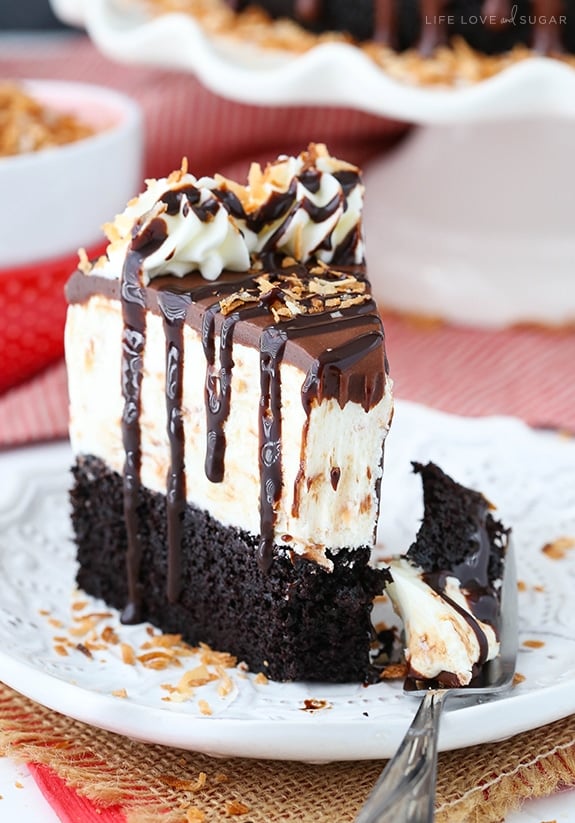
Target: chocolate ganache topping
[(302, 309)]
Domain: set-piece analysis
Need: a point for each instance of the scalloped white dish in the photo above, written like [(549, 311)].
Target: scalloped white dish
[(328, 74), (528, 475)]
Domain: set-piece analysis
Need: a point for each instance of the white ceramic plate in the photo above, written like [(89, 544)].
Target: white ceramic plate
[(328, 74), (528, 474)]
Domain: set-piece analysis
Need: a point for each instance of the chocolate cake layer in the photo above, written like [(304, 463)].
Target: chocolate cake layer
[(297, 622)]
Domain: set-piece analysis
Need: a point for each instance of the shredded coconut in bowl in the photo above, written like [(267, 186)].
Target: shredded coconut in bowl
[(26, 125)]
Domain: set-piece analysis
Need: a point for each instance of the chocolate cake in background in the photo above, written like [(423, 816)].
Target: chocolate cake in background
[(490, 26), (429, 43), (229, 403)]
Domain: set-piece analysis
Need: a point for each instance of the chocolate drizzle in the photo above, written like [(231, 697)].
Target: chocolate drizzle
[(218, 389), (437, 583), (333, 368), (133, 344), (272, 344), (174, 309)]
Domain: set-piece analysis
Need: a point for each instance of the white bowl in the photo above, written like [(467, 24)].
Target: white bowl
[(54, 201), (57, 199)]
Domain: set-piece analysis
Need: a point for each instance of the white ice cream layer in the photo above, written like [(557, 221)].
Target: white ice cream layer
[(344, 516), (437, 637)]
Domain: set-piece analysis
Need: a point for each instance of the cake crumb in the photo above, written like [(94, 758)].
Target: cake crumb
[(204, 707), (518, 678), (261, 679), (84, 649), (315, 705), (18, 785)]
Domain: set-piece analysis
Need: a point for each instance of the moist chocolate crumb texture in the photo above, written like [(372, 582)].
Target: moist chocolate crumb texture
[(229, 402)]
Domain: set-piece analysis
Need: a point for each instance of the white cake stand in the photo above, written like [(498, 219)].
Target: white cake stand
[(470, 218)]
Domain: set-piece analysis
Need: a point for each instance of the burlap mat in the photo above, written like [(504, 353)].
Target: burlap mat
[(480, 784)]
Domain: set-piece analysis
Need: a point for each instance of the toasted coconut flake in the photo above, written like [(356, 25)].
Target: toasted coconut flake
[(198, 676), (195, 815), (210, 657), (395, 671), (236, 807), (57, 624), (120, 693), (85, 266), (557, 549), (128, 654), (27, 125), (185, 785), (110, 636), (226, 684)]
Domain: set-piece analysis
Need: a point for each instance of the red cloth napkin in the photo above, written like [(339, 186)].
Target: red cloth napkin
[(522, 372), (67, 804)]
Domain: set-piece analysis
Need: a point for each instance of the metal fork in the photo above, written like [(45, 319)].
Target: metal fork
[(406, 789)]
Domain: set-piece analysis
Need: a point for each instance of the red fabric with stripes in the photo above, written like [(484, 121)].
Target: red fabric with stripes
[(69, 806)]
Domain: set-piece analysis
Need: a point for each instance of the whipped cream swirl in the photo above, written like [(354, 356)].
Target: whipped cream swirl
[(306, 207)]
